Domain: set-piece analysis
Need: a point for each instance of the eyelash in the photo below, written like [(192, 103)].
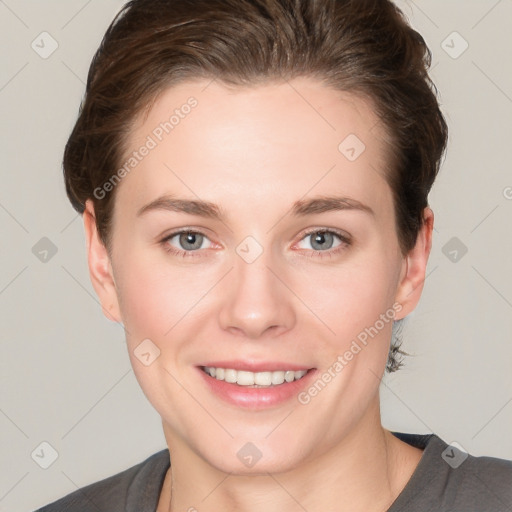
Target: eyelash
[(345, 242)]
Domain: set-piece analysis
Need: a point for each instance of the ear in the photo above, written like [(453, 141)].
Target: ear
[(414, 267), (100, 267)]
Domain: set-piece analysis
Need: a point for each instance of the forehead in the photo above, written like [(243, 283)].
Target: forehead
[(278, 140)]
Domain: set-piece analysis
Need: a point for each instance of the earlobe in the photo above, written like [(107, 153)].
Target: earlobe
[(100, 267), (414, 267)]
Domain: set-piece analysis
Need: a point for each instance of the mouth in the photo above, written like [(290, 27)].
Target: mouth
[(262, 379), (255, 386)]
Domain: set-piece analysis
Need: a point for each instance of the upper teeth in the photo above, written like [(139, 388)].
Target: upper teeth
[(244, 378)]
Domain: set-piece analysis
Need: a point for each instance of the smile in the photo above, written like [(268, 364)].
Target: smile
[(254, 379)]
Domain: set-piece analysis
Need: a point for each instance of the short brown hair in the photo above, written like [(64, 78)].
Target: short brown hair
[(365, 47)]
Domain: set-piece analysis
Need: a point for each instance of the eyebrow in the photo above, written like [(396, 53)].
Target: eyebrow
[(301, 208)]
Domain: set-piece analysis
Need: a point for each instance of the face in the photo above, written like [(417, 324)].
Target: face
[(257, 232)]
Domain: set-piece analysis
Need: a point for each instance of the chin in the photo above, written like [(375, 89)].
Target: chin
[(243, 457)]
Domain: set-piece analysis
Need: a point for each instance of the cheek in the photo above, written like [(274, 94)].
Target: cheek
[(147, 297), (151, 303), (350, 297), (144, 306), (356, 303), (156, 295)]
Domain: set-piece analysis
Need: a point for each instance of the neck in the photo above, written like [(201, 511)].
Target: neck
[(365, 471)]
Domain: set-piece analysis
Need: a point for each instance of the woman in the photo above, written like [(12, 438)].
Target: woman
[(253, 177)]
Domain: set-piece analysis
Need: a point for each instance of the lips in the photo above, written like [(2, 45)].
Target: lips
[(256, 397)]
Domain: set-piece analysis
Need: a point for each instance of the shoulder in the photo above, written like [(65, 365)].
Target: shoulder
[(450, 479), (485, 481), (117, 492)]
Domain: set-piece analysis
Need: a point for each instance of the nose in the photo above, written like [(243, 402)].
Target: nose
[(257, 302)]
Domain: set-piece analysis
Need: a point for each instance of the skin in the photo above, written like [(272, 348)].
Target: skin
[(254, 151)]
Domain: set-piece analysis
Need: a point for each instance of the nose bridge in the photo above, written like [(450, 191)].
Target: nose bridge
[(257, 300)]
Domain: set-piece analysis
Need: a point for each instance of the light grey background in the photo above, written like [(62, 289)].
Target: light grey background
[(65, 375)]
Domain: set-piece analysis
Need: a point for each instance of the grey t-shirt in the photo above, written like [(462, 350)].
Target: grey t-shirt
[(445, 480)]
